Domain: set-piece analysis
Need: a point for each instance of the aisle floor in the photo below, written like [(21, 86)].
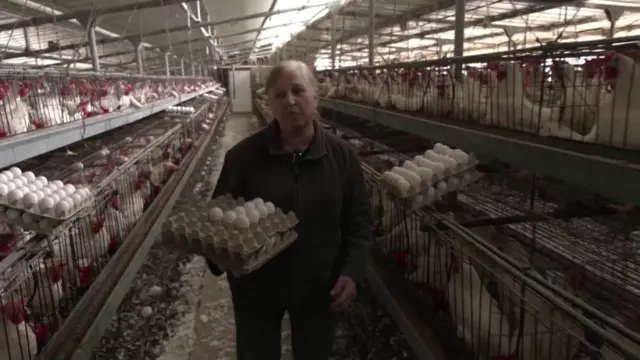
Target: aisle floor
[(212, 334)]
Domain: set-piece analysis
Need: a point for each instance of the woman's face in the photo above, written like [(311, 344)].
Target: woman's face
[(293, 100)]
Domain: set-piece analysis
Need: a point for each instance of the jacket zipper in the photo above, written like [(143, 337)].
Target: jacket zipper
[(296, 159)]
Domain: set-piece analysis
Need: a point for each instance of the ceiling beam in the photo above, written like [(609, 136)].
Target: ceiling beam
[(93, 12), (264, 21)]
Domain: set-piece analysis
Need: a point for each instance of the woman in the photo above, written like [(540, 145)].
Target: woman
[(298, 166)]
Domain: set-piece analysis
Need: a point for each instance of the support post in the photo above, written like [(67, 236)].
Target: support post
[(182, 66), (140, 58), (89, 23), (167, 65), (333, 40), (458, 36), (372, 16)]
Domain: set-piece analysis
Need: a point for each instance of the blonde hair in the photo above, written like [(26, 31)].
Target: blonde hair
[(293, 66)]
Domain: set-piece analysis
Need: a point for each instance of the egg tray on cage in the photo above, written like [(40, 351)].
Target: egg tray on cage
[(35, 203), (238, 235), (425, 179)]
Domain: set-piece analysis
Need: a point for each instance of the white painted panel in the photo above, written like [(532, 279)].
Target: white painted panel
[(240, 91)]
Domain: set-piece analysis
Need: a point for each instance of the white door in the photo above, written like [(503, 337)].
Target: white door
[(240, 91)]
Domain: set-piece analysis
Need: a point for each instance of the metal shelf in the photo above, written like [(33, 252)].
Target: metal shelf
[(21, 147), (612, 173)]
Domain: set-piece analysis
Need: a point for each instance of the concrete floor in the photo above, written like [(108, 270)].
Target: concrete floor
[(213, 335)]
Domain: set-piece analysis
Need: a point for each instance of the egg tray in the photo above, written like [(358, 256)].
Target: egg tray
[(38, 218), (471, 164), (191, 230), (415, 202)]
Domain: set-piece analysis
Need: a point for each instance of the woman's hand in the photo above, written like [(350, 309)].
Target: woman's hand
[(343, 292)]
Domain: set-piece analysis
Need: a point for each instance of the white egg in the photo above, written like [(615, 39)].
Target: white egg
[(216, 214), (29, 176), (229, 217), (270, 207), (15, 196), (62, 208), (3, 178), (77, 166), (39, 194), (43, 180), (240, 211), (8, 175), (262, 211), (46, 204), (32, 187), (46, 191), (15, 171), (11, 186), (55, 198), (18, 182), (242, 222), (77, 198), (38, 184), (29, 200), (61, 193), (258, 201), (69, 189), (253, 216), (4, 190), (104, 152), (249, 206), (57, 183)]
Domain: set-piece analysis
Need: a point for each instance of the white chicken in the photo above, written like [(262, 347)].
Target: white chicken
[(14, 112), (17, 339)]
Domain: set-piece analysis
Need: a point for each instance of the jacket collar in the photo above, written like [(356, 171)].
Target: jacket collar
[(316, 149)]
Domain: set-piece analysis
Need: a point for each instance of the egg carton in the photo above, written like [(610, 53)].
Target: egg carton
[(426, 183), (36, 204), (240, 249), (434, 193)]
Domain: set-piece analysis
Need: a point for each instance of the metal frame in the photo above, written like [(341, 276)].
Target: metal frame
[(25, 146), (547, 157)]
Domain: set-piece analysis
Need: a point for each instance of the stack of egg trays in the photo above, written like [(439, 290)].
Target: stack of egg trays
[(413, 202), (190, 229)]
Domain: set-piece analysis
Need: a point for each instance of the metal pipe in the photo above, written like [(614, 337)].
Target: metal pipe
[(475, 22), (182, 66), (264, 21), (139, 59), (372, 16), (93, 48), (167, 65), (333, 41), (458, 39), (49, 19)]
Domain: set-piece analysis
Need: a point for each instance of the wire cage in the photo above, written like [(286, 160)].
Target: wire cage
[(32, 100), (547, 266), (577, 91), (43, 277)]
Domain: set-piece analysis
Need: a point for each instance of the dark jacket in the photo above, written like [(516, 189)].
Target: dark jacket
[(325, 189)]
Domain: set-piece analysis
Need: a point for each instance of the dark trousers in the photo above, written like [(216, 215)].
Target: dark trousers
[(258, 317)]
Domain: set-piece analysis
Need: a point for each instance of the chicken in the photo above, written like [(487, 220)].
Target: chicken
[(17, 339), (14, 112)]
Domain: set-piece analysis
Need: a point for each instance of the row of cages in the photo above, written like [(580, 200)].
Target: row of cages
[(31, 101), (583, 92), (501, 267), (498, 266), (44, 274)]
